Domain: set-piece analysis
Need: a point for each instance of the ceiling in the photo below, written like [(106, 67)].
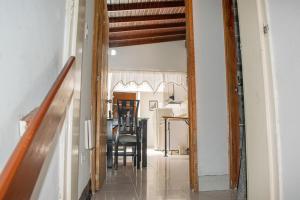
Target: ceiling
[(135, 22)]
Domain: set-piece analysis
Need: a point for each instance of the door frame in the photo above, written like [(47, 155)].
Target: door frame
[(193, 160), (259, 86), (234, 133), (100, 56), (192, 98), (191, 74), (94, 92), (232, 92)]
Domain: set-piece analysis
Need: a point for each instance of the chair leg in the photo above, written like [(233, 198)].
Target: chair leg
[(124, 157), (116, 155), (138, 156), (134, 156)]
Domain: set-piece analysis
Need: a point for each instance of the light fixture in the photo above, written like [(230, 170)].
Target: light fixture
[(113, 52)]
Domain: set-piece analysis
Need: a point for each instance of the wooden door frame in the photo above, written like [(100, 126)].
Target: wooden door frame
[(232, 93), (193, 161), (100, 35), (232, 103), (191, 74), (94, 91)]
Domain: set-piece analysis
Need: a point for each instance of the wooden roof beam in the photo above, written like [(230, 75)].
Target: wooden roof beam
[(145, 27), (144, 5), (151, 40), (145, 34), (146, 18)]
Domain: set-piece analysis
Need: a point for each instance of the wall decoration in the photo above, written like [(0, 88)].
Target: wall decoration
[(153, 104)]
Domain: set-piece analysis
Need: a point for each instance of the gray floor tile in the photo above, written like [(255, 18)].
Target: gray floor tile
[(163, 179)]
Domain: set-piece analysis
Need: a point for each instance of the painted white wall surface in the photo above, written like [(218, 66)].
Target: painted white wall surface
[(31, 56), (86, 101), (166, 56), (31, 46), (212, 116), (285, 42), (257, 95), (52, 185)]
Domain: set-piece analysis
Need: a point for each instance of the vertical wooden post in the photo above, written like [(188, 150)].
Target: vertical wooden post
[(99, 92), (191, 73), (232, 93)]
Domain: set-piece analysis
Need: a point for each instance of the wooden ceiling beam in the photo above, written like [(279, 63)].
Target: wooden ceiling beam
[(151, 40), (145, 34), (144, 5), (146, 18), (147, 27)]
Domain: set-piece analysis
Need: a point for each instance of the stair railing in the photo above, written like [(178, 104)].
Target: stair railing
[(20, 175)]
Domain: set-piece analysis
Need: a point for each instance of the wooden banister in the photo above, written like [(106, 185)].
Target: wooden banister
[(18, 178)]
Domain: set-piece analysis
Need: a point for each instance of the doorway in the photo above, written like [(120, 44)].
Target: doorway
[(164, 37), (193, 161), (160, 109)]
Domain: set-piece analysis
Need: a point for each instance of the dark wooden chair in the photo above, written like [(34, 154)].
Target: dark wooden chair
[(128, 134)]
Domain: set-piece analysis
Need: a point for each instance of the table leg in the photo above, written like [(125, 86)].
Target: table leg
[(139, 153), (144, 143), (166, 126), (169, 136)]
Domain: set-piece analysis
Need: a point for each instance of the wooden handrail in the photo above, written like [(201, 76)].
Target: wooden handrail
[(19, 177)]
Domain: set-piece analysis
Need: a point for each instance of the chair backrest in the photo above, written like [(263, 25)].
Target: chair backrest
[(128, 116)]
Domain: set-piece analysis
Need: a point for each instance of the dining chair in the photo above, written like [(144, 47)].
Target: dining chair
[(128, 134)]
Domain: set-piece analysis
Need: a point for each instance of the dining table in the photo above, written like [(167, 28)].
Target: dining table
[(167, 119)]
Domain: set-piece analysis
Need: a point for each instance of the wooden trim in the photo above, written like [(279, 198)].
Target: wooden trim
[(139, 41), (146, 18), (145, 5), (232, 95), (191, 72), (145, 34), (147, 27), (94, 91), (19, 177), (100, 61)]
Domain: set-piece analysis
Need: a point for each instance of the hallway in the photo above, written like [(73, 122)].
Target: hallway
[(227, 70), (164, 178)]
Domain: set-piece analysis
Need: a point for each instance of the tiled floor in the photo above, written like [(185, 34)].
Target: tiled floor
[(164, 178)]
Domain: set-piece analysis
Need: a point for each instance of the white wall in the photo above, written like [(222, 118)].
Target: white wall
[(212, 118), (52, 184), (86, 101), (31, 55), (166, 56), (285, 42), (31, 39)]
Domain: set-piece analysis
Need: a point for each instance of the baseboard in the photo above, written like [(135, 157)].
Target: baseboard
[(212, 183), (87, 192)]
